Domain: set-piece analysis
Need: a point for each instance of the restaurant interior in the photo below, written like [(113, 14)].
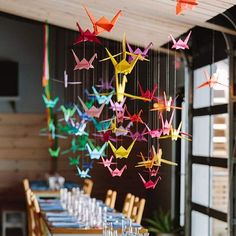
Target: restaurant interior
[(118, 117)]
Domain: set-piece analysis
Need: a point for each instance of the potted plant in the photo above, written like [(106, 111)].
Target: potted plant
[(162, 224)]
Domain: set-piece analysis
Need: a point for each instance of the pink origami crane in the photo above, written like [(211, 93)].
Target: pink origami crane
[(116, 171), (92, 111), (154, 133), (210, 80), (138, 51), (83, 64), (180, 44), (86, 36), (149, 184), (66, 82), (117, 106), (185, 4), (166, 126), (102, 24), (107, 162), (148, 94)]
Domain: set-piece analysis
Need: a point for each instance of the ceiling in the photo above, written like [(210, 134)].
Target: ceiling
[(143, 21)]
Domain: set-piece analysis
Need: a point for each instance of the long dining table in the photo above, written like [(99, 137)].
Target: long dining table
[(51, 208)]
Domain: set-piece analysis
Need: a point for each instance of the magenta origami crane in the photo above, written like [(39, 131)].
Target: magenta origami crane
[(210, 80), (138, 51), (92, 111), (83, 64), (139, 136), (107, 162), (116, 171), (86, 36), (153, 172), (149, 184), (66, 82), (103, 24), (105, 136), (180, 44), (148, 94), (154, 133)]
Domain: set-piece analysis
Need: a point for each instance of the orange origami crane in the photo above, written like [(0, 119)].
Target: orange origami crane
[(210, 80), (103, 24), (185, 4), (121, 152)]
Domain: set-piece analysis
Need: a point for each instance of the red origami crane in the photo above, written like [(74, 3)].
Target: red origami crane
[(185, 4), (86, 36), (149, 184), (83, 64), (135, 117), (103, 24), (148, 94)]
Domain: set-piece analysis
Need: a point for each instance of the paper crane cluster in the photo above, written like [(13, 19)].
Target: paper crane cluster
[(82, 123)]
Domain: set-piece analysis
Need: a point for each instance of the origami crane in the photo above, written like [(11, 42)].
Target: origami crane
[(107, 162), (84, 116), (102, 98), (154, 133), (153, 172), (50, 103), (138, 51), (135, 117), (66, 82), (74, 161), (97, 152), (54, 153), (87, 165), (116, 171), (149, 184), (165, 105), (68, 112), (83, 173), (106, 136), (106, 84), (138, 136), (86, 36), (210, 80), (121, 131), (175, 134), (92, 111), (102, 125), (166, 126), (180, 44), (117, 106), (103, 24), (148, 94), (184, 4), (121, 152), (83, 64), (78, 128), (120, 89)]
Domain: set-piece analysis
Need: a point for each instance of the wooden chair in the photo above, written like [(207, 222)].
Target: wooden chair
[(137, 210), (88, 186), (26, 184), (37, 217), (111, 198), (30, 215), (128, 204)]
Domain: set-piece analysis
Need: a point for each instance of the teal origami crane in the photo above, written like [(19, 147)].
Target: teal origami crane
[(54, 153), (50, 103), (96, 152), (102, 98), (102, 125), (68, 112)]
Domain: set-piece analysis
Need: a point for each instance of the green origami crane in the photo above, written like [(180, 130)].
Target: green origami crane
[(54, 153)]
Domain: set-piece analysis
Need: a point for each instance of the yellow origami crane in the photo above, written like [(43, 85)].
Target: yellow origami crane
[(175, 134), (147, 163), (113, 127), (121, 152)]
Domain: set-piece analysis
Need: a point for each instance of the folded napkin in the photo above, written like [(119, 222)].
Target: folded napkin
[(62, 219), (67, 225), (57, 214)]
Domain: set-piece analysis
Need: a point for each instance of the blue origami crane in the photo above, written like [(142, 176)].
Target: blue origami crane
[(102, 98), (83, 173), (83, 115)]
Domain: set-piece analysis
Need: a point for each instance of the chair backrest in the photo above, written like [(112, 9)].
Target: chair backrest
[(128, 204), (30, 215), (137, 210), (37, 217), (111, 198), (26, 184), (88, 186)]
